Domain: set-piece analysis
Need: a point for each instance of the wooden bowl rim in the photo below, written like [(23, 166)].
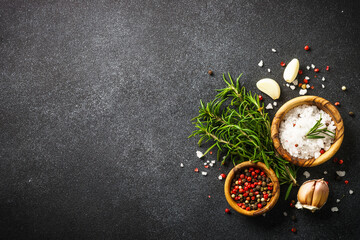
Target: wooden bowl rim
[(321, 103), (269, 172)]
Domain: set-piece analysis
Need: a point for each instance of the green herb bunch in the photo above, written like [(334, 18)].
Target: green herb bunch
[(314, 132), (236, 123)]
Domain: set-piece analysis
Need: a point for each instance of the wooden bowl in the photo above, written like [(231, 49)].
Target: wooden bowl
[(269, 172), (322, 104)]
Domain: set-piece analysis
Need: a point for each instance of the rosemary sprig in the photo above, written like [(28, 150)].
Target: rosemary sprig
[(314, 132), (236, 123)]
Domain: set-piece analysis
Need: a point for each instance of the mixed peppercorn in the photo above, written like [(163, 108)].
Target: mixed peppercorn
[(251, 189)]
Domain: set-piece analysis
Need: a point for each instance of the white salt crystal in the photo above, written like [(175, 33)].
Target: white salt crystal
[(312, 66), (302, 91), (199, 154), (269, 70), (351, 191), (269, 106), (306, 174), (213, 161), (325, 172), (261, 63), (323, 79), (307, 85), (337, 200), (275, 104), (285, 214), (322, 85), (295, 82), (307, 78), (220, 177), (288, 85), (273, 50), (211, 164), (334, 209), (292, 87), (208, 161), (205, 163), (181, 165), (341, 173), (204, 173), (308, 67)]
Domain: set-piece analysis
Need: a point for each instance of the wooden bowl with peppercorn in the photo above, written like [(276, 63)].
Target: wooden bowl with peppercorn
[(251, 188), (337, 134)]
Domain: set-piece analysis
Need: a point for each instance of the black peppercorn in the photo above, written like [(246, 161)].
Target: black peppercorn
[(351, 114)]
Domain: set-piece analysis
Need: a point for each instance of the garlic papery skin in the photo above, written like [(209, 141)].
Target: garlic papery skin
[(313, 194)]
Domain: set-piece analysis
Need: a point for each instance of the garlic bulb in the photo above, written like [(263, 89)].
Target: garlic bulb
[(313, 194)]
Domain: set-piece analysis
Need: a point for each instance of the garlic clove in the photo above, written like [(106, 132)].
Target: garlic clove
[(269, 87), (321, 193), (305, 193), (291, 70)]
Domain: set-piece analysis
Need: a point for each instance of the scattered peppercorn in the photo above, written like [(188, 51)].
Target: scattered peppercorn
[(283, 64), (346, 181), (293, 230), (300, 72), (312, 87), (337, 104), (211, 153), (351, 114), (327, 68), (335, 159), (227, 210), (210, 72), (316, 70), (261, 98), (196, 170), (341, 161), (306, 81), (306, 48), (343, 88)]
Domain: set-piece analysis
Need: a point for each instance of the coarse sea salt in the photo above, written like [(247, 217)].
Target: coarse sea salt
[(296, 123)]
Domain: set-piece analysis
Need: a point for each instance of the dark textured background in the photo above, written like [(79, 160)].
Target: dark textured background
[(95, 108)]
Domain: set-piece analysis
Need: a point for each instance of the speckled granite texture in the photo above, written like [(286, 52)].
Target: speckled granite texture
[(95, 108)]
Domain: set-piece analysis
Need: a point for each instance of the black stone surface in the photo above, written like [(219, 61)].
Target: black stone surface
[(95, 108)]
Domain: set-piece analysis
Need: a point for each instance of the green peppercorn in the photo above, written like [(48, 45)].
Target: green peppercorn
[(265, 188), (263, 184), (258, 196), (247, 174), (261, 189), (246, 170), (246, 201), (258, 187), (237, 182), (270, 195), (251, 194), (258, 200), (232, 195), (243, 180), (268, 180), (263, 203)]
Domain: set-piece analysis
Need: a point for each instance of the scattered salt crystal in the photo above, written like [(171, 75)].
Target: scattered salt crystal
[(334, 209), (308, 67), (312, 66), (269, 106), (269, 70), (205, 163), (298, 205), (208, 161), (295, 82), (351, 191), (323, 79), (273, 50), (302, 91), (306, 174), (204, 173), (322, 85), (325, 172), (292, 87), (275, 104), (213, 161), (220, 177), (261, 63), (285, 214), (211, 164), (337, 200), (307, 78), (199, 154), (341, 173), (288, 85), (181, 165), (307, 85)]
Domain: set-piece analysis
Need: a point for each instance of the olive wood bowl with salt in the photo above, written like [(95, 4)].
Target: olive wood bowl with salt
[(269, 173), (322, 104)]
